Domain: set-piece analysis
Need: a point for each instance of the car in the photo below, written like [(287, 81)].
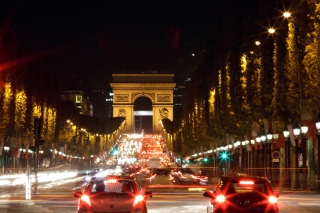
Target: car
[(187, 176), (112, 193), (242, 194)]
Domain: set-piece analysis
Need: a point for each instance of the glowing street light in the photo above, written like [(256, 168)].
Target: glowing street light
[(271, 30), (286, 14)]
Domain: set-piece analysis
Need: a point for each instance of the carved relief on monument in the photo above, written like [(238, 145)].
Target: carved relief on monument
[(163, 97), (150, 95), (122, 113), (122, 98), (163, 113)]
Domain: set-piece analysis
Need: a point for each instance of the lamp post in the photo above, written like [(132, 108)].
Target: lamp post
[(224, 165), (253, 163), (304, 130), (318, 167), (230, 152), (258, 140), (296, 132), (23, 156), (268, 158), (6, 150), (243, 143), (263, 139), (287, 183), (247, 159), (236, 153), (239, 154)]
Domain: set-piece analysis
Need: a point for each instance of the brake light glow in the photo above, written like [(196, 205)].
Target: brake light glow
[(220, 198), (272, 199), (110, 181), (86, 199), (138, 199), (246, 182)]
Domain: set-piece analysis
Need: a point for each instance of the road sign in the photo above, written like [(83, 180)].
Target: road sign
[(275, 155)]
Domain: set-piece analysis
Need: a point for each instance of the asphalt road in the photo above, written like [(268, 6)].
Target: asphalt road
[(177, 200), (172, 202), (58, 197)]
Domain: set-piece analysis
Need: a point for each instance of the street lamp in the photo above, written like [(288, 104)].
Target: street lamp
[(235, 155), (287, 182), (239, 154), (269, 140), (271, 30), (243, 163), (263, 139), (6, 150), (253, 164), (296, 132), (286, 14), (304, 130), (258, 140), (318, 168), (246, 156)]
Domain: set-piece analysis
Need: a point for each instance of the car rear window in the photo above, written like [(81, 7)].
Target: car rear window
[(119, 186), (246, 187)]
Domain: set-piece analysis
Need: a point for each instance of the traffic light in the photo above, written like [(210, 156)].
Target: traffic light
[(224, 156), (205, 160), (37, 128), (115, 151), (36, 142)]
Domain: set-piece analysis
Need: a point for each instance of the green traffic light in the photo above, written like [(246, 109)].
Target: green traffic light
[(115, 151), (224, 155), (205, 159)]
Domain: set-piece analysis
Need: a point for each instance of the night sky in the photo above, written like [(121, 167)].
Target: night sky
[(84, 42)]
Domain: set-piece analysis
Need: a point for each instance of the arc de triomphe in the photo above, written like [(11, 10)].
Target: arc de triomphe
[(129, 87)]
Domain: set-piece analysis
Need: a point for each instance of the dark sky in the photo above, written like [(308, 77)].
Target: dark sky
[(87, 41)]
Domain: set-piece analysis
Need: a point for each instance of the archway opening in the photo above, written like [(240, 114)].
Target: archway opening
[(143, 115)]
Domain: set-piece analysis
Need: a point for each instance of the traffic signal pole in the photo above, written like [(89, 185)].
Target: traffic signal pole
[(37, 135), (38, 142)]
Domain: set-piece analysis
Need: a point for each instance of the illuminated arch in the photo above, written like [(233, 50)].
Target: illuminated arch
[(127, 88)]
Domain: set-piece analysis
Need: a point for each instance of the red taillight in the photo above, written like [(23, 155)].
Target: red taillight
[(272, 199), (138, 199), (220, 198), (246, 182), (86, 199)]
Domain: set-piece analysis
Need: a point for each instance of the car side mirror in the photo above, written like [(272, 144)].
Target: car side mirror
[(208, 194), (78, 194), (148, 194)]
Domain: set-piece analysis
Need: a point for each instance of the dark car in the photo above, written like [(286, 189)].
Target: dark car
[(234, 194), (112, 194)]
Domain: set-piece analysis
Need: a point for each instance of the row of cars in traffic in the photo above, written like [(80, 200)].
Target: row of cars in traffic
[(112, 192)]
